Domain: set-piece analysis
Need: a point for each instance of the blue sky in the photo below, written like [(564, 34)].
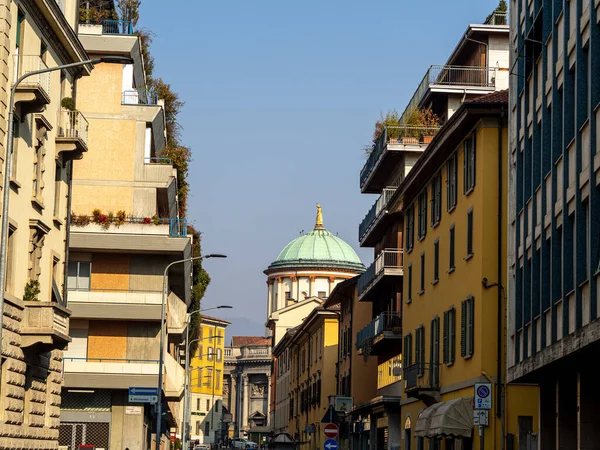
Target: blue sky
[(281, 96)]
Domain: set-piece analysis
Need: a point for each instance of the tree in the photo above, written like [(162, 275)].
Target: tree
[(200, 281), (129, 10), (498, 19)]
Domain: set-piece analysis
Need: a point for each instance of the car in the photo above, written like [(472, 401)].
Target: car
[(201, 447), (242, 443)]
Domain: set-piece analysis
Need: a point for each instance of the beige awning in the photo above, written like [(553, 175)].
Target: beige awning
[(424, 420), (453, 418)]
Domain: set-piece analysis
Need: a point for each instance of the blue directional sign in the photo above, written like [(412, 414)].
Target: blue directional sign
[(143, 391), (330, 444)]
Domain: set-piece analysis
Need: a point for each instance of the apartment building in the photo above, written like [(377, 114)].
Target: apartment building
[(314, 348), (36, 34), (357, 376), (206, 382), (247, 386), (125, 230), (554, 204)]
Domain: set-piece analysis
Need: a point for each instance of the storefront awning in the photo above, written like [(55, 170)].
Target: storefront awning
[(424, 420), (452, 418)]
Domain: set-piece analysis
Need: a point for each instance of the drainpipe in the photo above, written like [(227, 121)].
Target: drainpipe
[(500, 395)]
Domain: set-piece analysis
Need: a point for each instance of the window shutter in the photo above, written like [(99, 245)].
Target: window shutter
[(431, 342), (451, 265), (470, 232), (473, 159), (452, 337), (446, 337), (463, 325), (465, 165), (436, 353), (471, 325)]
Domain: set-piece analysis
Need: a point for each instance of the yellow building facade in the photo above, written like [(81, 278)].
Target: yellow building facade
[(454, 206), (314, 349), (206, 381)]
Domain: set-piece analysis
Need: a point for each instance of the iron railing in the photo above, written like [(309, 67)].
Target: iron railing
[(178, 227), (30, 63), (375, 211), (395, 134), (422, 376), (390, 258), (387, 321), (139, 97), (497, 18), (156, 160), (117, 27), (72, 125), (469, 76)]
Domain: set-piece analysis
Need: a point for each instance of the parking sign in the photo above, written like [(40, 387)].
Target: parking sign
[(483, 395)]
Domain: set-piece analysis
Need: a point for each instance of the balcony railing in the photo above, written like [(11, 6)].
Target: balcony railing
[(111, 366), (30, 63), (375, 212), (45, 324), (422, 376), (130, 224), (391, 258), (178, 227), (467, 76), (117, 27), (228, 351), (255, 352), (72, 125), (395, 134), (388, 321), (139, 97), (497, 18), (115, 296)]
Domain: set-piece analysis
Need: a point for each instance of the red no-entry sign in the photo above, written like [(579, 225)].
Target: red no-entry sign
[(331, 430)]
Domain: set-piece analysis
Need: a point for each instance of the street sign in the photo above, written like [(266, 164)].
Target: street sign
[(331, 430), (330, 444), (143, 399), (330, 416), (227, 418), (483, 395), (143, 391), (480, 417)]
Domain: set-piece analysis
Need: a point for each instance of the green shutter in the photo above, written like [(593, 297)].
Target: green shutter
[(463, 325), (465, 171), (473, 159), (452, 334), (470, 232), (446, 337), (431, 342), (471, 325)]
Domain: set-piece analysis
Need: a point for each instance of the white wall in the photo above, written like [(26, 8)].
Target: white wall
[(498, 56)]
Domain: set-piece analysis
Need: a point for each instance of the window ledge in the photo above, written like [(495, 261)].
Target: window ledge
[(37, 202), (468, 191), (436, 281), (450, 270), (435, 224), (15, 184), (420, 292), (408, 301), (452, 208), (421, 238), (450, 364), (468, 356), (468, 257)]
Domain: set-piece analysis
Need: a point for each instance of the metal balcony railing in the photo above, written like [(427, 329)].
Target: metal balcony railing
[(139, 97), (30, 63), (497, 18), (117, 27), (422, 376), (178, 227), (390, 258), (72, 125), (375, 211), (387, 321), (395, 134)]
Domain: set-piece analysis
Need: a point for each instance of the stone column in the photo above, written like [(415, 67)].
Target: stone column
[(240, 406), (245, 402), (311, 285), (268, 411), (331, 285), (295, 294), (269, 297), (233, 397)]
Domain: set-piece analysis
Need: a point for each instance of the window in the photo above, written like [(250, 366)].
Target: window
[(422, 215), (78, 278), (470, 233), (57, 185), (210, 354), (436, 199), (449, 335), (408, 360), (10, 259), (451, 182), (207, 405), (436, 261), (409, 294), (219, 355), (200, 352), (469, 164), (322, 294), (37, 234), (420, 350), (422, 285), (207, 428), (210, 335), (200, 378), (288, 295), (38, 171), (15, 158), (410, 228), (218, 379), (434, 348), (198, 427), (56, 297), (217, 403), (209, 377), (467, 327), (197, 404), (451, 264)]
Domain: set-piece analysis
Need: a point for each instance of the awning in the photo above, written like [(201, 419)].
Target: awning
[(424, 420), (452, 418)]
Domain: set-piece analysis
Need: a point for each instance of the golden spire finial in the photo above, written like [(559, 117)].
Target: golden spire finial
[(319, 221)]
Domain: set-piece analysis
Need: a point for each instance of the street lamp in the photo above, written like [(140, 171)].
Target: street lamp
[(9, 156), (162, 328), (186, 385)]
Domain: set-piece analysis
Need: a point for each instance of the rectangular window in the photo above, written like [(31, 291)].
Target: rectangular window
[(408, 360), (467, 333), (207, 428), (198, 427), (410, 271), (410, 228), (470, 233), (36, 243), (219, 355), (10, 259), (197, 404), (436, 199), (57, 185), (451, 182), (469, 164), (210, 335), (560, 37), (434, 350), (449, 335), (200, 379), (38, 172), (288, 295), (322, 294), (207, 405), (436, 261), (422, 285), (209, 376), (422, 215), (210, 353), (420, 350), (15, 158), (451, 264)]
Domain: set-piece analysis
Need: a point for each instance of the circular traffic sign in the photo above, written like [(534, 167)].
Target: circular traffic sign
[(483, 391), (331, 430), (330, 444)]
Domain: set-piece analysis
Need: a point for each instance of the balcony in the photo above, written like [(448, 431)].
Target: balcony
[(388, 152), (376, 337), (117, 27), (139, 97), (376, 216), (259, 353), (422, 381), (497, 18), (388, 264), (107, 304), (174, 378), (110, 373), (72, 134), (34, 91), (45, 326)]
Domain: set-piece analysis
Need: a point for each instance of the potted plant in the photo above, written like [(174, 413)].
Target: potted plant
[(411, 131), (429, 122), (32, 290)]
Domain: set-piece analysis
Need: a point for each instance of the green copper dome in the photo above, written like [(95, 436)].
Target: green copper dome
[(318, 249)]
